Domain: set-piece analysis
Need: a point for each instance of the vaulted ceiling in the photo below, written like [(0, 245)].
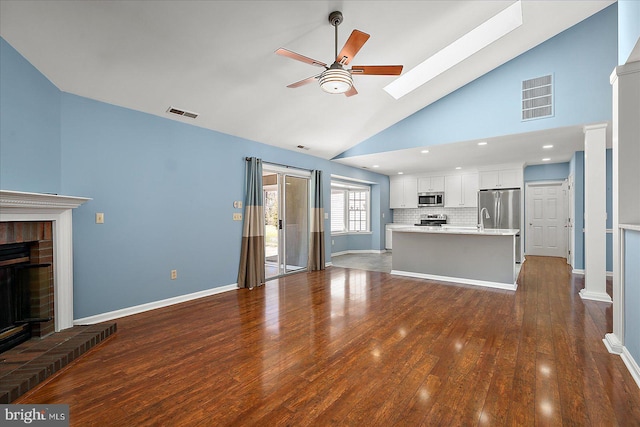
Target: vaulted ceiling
[(217, 58)]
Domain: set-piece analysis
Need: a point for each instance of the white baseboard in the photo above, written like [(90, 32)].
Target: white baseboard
[(483, 283), (581, 272), (595, 296), (631, 365), (339, 253), (359, 251), (111, 315), (613, 343)]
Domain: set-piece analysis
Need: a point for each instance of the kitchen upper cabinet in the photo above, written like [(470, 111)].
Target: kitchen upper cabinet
[(427, 184), (461, 191), (506, 178), (403, 193)]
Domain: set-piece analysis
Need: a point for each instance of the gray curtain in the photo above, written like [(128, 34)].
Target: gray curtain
[(251, 271), (316, 239)]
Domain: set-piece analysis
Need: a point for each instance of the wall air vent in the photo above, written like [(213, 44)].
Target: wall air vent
[(537, 98), (180, 112)]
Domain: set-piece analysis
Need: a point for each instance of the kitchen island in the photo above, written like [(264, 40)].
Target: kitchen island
[(465, 255)]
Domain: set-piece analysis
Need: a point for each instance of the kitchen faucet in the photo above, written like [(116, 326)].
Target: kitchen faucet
[(481, 222)]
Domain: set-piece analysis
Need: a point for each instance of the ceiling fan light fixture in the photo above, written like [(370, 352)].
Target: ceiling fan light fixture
[(336, 80)]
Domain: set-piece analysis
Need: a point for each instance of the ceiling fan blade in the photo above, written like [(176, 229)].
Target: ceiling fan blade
[(303, 82), (351, 91), (284, 52), (379, 70), (355, 42)]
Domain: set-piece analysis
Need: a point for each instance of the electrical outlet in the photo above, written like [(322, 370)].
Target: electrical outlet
[(333, 242), (99, 218), (174, 274), (237, 204), (237, 217)]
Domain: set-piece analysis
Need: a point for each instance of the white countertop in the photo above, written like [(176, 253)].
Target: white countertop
[(458, 230)]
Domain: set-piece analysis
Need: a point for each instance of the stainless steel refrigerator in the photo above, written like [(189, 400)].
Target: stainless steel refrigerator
[(503, 207)]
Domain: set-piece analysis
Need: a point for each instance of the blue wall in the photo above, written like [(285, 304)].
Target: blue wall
[(29, 126), (547, 172), (632, 293), (166, 189), (580, 57), (628, 28)]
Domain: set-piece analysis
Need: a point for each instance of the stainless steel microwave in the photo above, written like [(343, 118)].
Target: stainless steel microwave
[(431, 199)]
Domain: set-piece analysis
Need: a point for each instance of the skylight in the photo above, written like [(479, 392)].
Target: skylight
[(461, 49)]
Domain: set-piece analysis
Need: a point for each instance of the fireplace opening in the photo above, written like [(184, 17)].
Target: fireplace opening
[(25, 301)]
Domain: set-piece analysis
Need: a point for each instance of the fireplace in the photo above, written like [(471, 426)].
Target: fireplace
[(44, 222), (26, 282)]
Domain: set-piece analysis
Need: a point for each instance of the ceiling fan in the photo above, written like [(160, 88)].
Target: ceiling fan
[(335, 79)]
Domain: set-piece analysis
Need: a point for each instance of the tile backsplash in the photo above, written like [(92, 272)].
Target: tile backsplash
[(455, 216)]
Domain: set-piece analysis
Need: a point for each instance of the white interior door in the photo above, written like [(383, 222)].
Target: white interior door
[(546, 219)]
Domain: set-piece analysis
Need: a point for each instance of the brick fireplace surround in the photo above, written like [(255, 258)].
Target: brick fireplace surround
[(46, 220)]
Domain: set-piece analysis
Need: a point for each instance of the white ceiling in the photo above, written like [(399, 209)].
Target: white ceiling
[(217, 58), (523, 149)]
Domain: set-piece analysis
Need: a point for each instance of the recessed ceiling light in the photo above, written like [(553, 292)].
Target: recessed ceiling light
[(376, 166), (449, 56), (400, 173), (546, 159), (546, 147), (458, 167), (482, 143), (424, 151)]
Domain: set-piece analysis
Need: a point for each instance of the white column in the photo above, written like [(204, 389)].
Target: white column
[(625, 81), (595, 214)]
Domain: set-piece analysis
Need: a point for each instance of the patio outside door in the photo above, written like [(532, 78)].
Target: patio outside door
[(286, 200)]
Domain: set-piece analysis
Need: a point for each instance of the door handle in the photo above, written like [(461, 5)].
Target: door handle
[(279, 224)]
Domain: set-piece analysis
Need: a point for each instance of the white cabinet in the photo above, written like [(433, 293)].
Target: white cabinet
[(505, 178), (461, 191), (403, 193), (427, 184)]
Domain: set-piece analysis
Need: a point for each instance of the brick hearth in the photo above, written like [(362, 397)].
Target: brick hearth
[(25, 366)]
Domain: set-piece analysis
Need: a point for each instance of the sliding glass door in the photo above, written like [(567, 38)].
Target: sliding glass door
[(286, 200)]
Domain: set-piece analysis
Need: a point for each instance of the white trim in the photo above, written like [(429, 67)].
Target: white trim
[(21, 206), (613, 343), (483, 283), (286, 170), (347, 178), (595, 296), (10, 200), (631, 364), (359, 251), (111, 315), (634, 227), (577, 271)]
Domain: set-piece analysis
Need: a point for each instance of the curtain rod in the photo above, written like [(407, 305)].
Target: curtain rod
[(279, 164)]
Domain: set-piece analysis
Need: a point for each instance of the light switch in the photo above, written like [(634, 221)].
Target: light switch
[(326, 215), (99, 218), (237, 217)]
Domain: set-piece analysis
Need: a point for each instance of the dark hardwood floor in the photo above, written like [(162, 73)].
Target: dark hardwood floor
[(351, 347)]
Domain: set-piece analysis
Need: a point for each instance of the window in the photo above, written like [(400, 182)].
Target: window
[(349, 208)]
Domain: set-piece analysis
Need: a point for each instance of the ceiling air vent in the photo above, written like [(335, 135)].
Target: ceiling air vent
[(180, 112), (537, 98)]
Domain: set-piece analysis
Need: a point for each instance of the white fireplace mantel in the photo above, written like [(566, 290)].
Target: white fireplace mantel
[(21, 206)]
